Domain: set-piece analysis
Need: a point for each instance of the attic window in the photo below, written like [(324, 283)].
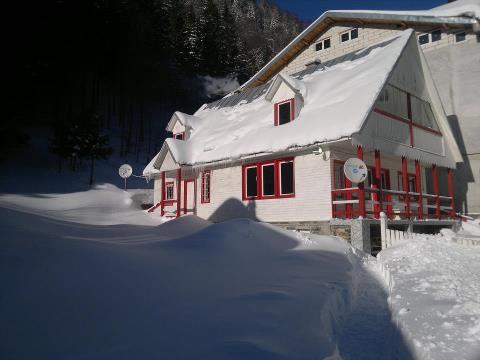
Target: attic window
[(323, 44), (349, 35), (459, 37), (284, 112), (432, 36), (179, 136)]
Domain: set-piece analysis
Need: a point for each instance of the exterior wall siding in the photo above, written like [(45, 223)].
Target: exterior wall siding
[(311, 201)]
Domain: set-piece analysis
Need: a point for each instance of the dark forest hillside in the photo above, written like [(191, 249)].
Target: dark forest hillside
[(125, 66)]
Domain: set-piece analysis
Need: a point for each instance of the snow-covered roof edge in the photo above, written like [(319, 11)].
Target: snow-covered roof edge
[(427, 16), (186, 120)]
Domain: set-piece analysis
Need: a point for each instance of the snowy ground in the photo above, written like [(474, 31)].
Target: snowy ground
[(88, 275), (435, 293)]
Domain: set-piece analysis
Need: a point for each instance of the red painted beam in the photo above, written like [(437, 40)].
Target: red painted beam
[(361, 188), (435, 191), (405, 186), (377, 196), (418, 188), (179, 191), (450, 193), (162, 207)]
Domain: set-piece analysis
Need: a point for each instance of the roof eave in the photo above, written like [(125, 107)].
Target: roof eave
[(332, 16)]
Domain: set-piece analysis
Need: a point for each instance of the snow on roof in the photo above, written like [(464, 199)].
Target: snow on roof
[(458, 8), (150, 170), (190, 121), (337, 101), (460, 12), (296, 85)]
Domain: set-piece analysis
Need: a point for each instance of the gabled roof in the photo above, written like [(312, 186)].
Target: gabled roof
[(189, 121), (295, 85), (337, 101), (460, 13)]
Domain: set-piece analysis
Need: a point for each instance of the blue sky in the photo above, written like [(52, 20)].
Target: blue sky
[(309, 10)]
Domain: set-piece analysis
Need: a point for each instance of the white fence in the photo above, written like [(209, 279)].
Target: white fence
[(390, 236)]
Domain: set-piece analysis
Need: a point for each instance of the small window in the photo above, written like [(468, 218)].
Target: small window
[(179, 136), (436, 35), (286, 178), (459, 37), (251, 181), (284, 112), (349, 35), (323, 44), (169, 190), (268, 180), (423, 39), (206, 183), (354, 34)]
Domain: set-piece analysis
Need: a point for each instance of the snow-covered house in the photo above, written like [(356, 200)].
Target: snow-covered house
[(449, 36), (275, 152)]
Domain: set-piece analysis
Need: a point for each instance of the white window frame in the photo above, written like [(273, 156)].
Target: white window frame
[(349, 32), (430, 37), (170, 184), (322, 41), (206, 191), (280, 177)]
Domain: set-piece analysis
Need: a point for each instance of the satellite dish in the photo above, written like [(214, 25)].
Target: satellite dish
[(125, 171), (355, 170)]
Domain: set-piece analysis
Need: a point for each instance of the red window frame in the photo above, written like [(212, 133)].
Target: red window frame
[(206, 195), (277, 179), (179, 136), (292, 110), (170, 184)]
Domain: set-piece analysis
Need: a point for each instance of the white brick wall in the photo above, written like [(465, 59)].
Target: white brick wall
[(366, 36), (311, 201)]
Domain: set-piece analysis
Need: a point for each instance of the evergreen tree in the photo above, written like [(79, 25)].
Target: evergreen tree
[(94, 145)]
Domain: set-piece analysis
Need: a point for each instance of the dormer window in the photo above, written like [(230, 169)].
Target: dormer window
[(284, 112), (179, 136)]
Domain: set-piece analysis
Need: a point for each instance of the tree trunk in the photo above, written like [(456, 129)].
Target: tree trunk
[(92, 165)]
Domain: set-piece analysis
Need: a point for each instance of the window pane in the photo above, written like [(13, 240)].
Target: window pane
[(286, 173), (284, 113), (422, 113), (326, 43), (339, 180), (318, 46), (354, 34), (345, 37), (393, 101), (460, 37), (206, 187), (268, 179), (251, 182), (423, 39), (436, 35)]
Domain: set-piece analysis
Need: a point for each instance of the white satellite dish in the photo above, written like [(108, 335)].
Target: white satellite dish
[(355, 170), (125, 171)]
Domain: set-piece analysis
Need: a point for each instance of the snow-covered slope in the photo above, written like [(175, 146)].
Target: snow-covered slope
[(435, 293), (76, 284)]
